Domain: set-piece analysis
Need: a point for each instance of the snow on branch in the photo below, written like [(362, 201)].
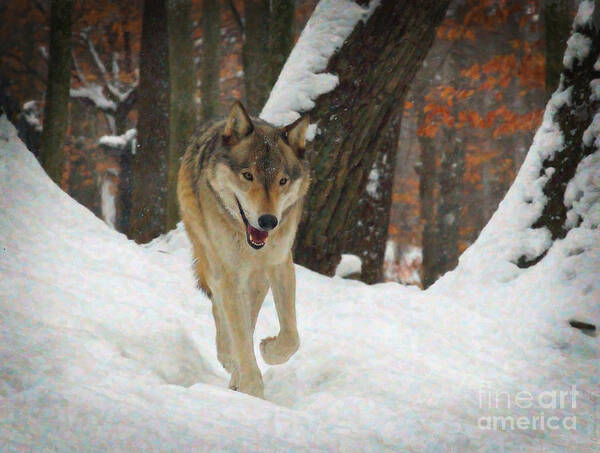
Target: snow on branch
[(112, 88), (95, 94), (31, 113), (117, 93), (120, 142), (302, 79)]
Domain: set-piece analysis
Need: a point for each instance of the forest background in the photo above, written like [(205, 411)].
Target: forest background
[(465, 123)]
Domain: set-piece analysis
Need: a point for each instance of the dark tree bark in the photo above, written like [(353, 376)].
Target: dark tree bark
[(149, 164), (427, 181), (444, 256), (56, 110), (281, 39), (452, 169), (123, 199), (372, 215), (268, 39), (182, 110), (375, 66), (558, 16), (573, 119), (211, 33), (255, 52), (128, 61)]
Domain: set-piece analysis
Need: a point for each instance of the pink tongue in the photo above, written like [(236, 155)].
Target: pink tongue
[(257, 235)]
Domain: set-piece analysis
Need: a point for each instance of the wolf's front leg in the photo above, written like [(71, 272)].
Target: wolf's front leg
[(222, 338), (246, 373), (279, 349)]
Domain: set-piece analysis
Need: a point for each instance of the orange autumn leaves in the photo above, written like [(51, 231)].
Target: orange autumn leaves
[(518, 65), (448, 106), (500, 121), (482, 88)]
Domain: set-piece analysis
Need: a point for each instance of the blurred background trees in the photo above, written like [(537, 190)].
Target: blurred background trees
[(56, 107), (448, 153), (149, 168), (182, 106)]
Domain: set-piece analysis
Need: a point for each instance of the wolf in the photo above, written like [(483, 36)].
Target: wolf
[(241, 188)]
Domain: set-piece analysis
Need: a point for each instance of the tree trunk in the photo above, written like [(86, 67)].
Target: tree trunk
[(123, 201), (450, 184), (372, 215), (375, 66), (128, 63), (123, 197), (255, 52), (149, 164), (427, 181), (452, 169), (211, 34), (558, 16), (573, 118), (281, 39), (182, 110), (56, 110)]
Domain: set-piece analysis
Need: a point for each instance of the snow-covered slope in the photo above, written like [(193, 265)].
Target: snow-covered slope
[(106, 345)]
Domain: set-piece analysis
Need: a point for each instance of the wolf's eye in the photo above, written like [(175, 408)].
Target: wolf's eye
[(248, 175), (283, 181)]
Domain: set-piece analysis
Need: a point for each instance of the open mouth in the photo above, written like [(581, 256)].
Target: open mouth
[(256, 238)]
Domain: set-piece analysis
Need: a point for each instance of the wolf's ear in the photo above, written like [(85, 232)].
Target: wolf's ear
[(238, 124), (295, 134)]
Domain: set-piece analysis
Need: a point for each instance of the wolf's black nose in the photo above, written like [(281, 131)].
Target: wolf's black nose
[(267, 221)]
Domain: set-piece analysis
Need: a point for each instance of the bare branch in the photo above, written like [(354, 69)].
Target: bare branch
[(236, 16), (78, 73), (113, 91), (129, 100), (92, 49), (115, 65), (94, 95)]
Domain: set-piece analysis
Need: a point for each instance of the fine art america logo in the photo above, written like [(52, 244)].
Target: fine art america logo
[(548, 410)]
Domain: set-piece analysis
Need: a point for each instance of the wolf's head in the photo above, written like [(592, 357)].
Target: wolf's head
[(260, 172)]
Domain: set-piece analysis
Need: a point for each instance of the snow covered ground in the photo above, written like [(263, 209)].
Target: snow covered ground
[(106, 345)]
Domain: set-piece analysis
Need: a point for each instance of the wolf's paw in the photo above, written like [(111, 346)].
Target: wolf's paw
[(277, 350), (234, 381), (249, 384)]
